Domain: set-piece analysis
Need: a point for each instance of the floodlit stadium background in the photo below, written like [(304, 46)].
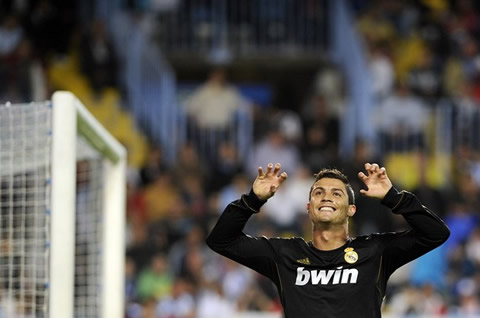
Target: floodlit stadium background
[(201, 92)]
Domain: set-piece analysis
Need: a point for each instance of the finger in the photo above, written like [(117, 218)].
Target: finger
[(363, 192), (375, 167), (368, 167), (362, 176), (383, 171), (260, 172), (276, 170), (283, 177), (269, 168)]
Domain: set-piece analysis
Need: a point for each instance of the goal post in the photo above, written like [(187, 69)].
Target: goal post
[(70, 118), (62, 212)]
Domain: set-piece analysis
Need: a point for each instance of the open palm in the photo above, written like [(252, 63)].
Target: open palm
[(376, 181), (267, 183)]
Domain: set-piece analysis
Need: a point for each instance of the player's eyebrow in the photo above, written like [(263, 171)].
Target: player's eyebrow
[(333, 189)]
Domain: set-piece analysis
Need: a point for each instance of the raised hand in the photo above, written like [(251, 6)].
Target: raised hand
[(376, 180), (266, 184)]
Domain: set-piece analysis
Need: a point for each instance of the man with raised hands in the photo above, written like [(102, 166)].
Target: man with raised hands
[(334, 274)]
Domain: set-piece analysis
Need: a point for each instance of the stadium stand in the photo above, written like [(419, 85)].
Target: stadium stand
[(365, 57)]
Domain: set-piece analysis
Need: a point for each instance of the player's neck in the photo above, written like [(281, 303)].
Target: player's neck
[(329, 238)]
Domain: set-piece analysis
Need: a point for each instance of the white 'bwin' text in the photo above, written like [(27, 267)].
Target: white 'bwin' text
[(325, 277)]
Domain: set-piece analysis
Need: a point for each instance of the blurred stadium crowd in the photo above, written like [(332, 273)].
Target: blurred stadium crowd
[(424, 63)]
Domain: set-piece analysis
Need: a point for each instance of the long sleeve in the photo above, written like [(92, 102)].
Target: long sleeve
[(428, 230), (227, 237)]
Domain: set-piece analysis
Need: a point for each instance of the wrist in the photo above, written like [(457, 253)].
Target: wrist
[(253, 202), (391, 198)]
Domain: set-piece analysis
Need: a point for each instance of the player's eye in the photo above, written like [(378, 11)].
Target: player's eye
[(337, 194)]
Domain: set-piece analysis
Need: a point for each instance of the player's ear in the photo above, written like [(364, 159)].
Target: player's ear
[(352, 208), (308, 207)]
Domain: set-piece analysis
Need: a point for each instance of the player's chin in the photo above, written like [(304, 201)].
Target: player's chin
[(325, 214), (323, 217)]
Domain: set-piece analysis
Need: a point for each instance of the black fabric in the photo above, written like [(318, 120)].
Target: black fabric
[(315, 283)]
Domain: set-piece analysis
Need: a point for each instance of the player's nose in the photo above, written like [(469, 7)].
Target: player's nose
[(326, 198)]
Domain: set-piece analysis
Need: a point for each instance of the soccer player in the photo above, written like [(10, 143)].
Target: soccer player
[(334, 275)]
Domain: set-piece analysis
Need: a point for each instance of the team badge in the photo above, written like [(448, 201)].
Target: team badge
[(350, 255)]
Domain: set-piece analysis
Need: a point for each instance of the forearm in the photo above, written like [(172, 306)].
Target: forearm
[(228, 240), (230, 225), (430, 231)]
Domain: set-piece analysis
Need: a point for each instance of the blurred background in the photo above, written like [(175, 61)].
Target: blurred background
[(202, 92)]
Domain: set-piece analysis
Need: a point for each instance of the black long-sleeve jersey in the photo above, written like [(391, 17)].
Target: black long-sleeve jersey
[(349, 281)]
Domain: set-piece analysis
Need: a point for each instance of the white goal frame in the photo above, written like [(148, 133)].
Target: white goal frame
[(71, 118)]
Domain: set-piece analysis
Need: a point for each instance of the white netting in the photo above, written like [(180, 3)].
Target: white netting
[(25, 156), (25, 144)]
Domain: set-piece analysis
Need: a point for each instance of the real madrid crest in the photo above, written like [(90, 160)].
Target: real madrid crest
[(350, 255)]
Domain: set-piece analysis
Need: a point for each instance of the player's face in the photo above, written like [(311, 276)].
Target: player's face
[(329, 202)]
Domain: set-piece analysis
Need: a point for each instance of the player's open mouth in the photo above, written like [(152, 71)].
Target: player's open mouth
[(327, 209)]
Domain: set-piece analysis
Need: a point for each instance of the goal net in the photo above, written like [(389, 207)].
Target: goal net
[(62, 193)]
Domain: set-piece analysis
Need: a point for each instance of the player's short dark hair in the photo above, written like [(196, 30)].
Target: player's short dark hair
[(334, 174)]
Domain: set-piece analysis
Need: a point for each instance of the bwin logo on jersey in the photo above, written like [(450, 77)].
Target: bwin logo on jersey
[(325, 277)]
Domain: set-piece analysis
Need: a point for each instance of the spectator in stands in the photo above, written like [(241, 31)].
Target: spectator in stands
[(160, 196), (433, 196), (34, 73), (212, 110), (226, 166), (176, 223), (462, 67), (462, 219), (139, 246), (189, 162), (412, 301), (130, 280), (153, 166), (179, 303), (473, 247), (193, 194), (24, 75), (466, 190), (275, 145), (236, 281), (178, 251), (405, 302), (254, 299), (98, 58), (330, 85), (11, 35), (401, 120), (212, 302), (381, 70), (156, 280), (424, 79), (240, 183), (321, 131), (468, 304)]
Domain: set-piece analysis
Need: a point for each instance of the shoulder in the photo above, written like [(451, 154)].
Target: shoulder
[(287, 243), (376, 238)]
